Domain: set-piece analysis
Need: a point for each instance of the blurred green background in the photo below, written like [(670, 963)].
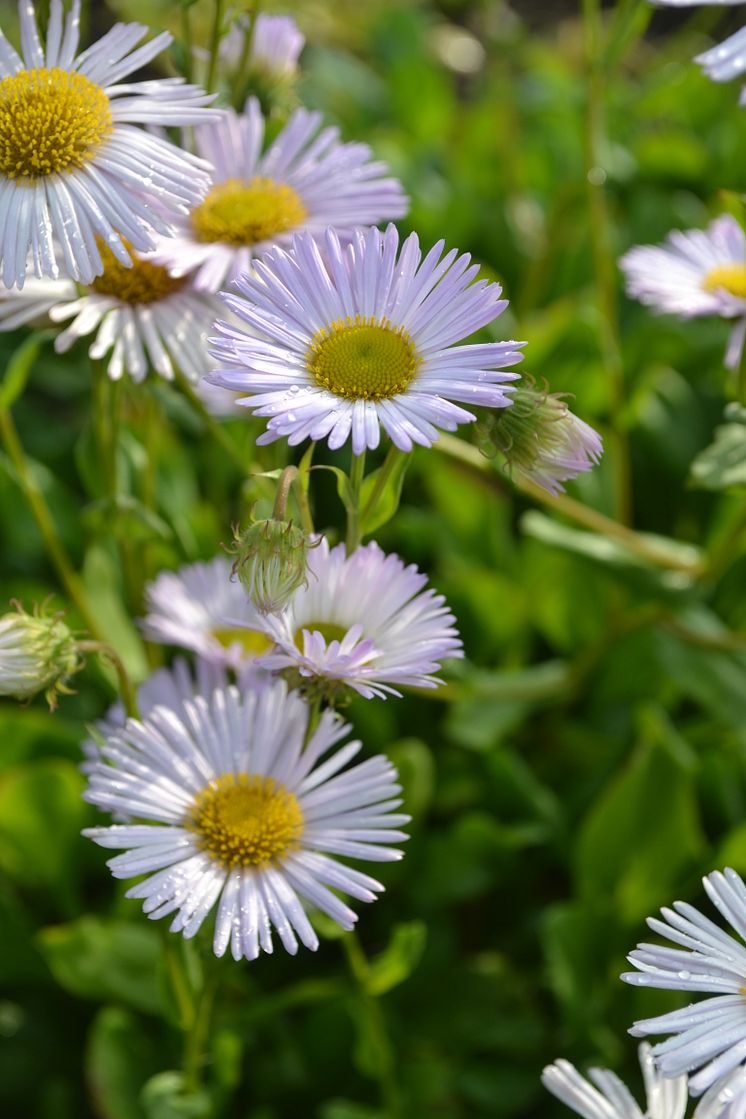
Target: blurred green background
[(585, 765)]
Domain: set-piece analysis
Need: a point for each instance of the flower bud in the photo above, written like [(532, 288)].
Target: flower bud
[(271, 563), (542, 439), (37, 654)]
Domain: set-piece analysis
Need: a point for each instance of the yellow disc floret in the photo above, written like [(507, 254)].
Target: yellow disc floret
[(245, 820), (244, 212), (252, 641), (50, 120), (363, 359), (728, 277), (144, 282)]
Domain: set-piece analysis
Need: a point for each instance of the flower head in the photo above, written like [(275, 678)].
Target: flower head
[(270, 561), (140, 315), (543, 440), (305, 180), (38, 653), (604, 1096), (74, 172), (201, 607), (274, 46), (708, 1035), (363, 621), (365, 336), (240, 816)]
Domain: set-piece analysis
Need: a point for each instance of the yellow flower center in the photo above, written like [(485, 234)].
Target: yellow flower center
[(144, 282), (330, 631), (363, 359), (240, 212), (252, 641), (728, 277), (246, 820), (50, 120)]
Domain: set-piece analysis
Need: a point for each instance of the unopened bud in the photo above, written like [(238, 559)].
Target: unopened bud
[(271, 563), (543, 440), (37, 654)]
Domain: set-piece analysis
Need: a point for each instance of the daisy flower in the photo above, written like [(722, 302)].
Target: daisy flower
[(604, 1096), (365, 621), (305, 180), (697, 272), (363, 337), (238, 815), (201, 607), (726, 1099), (728, 59), (709, 1035), (74, 172), (141, 316), (274, 46)]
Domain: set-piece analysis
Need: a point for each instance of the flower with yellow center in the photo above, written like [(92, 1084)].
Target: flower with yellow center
[(366, 336), (305, 180), (73, 168), (696, 272), (203, 608), (140, 315), (237, 815)]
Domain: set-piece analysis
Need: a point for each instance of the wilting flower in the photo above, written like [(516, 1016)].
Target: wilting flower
[(543, 440), (361, 338), (271, 557), (728, 59), (709, 1035), (364, 621), (200, 607), (73, 169), (240, 816), (604, 1096), (142, 316), (697, 272), (305, 180), (38, 653)]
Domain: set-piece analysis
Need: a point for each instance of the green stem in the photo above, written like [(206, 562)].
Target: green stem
[(126, 689), (357, 473), (389, 465), (238, 93), (212, 425), (728, 550), (741, 376), (215, 37), (603, 256), (186, 39), (43, 517), (195, 1044), (359, 968), (289, 475), (569, 507)]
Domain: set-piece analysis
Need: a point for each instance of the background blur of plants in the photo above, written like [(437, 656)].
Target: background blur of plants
[(585, 765)]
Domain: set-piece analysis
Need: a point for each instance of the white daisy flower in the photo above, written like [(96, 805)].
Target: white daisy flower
[(361, 338), (708, 1035), (364, 621), (142, 316), (74, 172), (201, 607), (728, 59), (697, 272), (305, 180), (726, 1099), (604, 1096), (274, 45), (239, 816)]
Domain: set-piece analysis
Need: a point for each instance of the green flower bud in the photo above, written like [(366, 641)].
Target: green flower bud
[(37, 654), (271, 563)]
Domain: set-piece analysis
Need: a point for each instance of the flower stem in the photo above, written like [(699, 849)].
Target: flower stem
[(389, 465), (195, 1044), (603, 257), (357, 473), (43, 517), (215, 37), (289, 475), (212, 425), (370, 1005), (126, 689)]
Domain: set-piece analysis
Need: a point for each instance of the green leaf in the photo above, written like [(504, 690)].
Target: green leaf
[(635, 842), (100, 577), (387, 502), (397, 962), (119, 1058), (106, 960), (414, 761), (722, 465), (344, 489), (165, 1096), (19, 367)]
